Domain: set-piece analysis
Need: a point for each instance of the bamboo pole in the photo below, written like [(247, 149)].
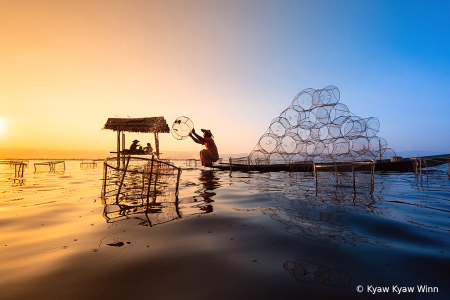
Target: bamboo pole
[(123, 148), (379, 147), (315, 175), (156, 144), (315, 179), (178, 182), (335, 173), (123, 177), (353, 171), (118, 149), (372, 178), (150, 179), (420, 166), (448, 164), (105, 174)]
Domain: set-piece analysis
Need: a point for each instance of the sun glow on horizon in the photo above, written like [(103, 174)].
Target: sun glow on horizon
[(2, 126)]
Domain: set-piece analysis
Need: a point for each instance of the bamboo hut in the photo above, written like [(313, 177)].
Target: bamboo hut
[(153, 125)]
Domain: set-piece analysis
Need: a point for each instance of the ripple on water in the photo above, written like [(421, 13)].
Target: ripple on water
[(245, 263)]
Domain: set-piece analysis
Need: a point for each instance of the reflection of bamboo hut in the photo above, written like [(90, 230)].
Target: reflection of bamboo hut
[(153, 125)]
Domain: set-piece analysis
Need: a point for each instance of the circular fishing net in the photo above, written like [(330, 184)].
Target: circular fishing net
[(182, 127)]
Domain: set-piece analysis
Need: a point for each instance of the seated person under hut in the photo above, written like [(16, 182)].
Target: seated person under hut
[(210, 154), (148, 149), (133, 147)]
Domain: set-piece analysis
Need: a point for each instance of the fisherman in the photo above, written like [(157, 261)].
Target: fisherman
[(134, 146), (210, 154)]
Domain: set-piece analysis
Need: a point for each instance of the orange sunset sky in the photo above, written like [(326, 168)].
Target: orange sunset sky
[(230, 66)]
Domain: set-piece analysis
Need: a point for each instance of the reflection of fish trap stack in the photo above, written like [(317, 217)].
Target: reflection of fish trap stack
[(141, 185), (56, 166), (8, 167), (345, 174)]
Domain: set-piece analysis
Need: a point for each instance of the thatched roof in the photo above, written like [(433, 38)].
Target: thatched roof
[(153, 124)]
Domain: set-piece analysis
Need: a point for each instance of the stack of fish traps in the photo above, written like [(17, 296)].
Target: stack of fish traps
[(317, 128)]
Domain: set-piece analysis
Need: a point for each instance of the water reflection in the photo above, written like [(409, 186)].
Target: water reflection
[(209, 181), (313, 273), (316, 215), (162, 204)]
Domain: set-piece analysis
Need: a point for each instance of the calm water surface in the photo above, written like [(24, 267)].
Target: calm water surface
[(231, 236)]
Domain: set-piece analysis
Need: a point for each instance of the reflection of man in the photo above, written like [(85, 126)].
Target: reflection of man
[(210, 183), (210, 154)]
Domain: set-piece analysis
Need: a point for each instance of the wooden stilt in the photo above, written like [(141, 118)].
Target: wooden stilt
[(315, 175), (157, 144), (178, 182), (123, 177), (335, 173), (150, 179), (123, 148), (105, 174), (372, 178), (353, 171), (379, 147), (448, 164), (118, 149), (420, 166)]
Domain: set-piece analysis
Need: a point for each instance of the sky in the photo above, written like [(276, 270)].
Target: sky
[(230, 66)]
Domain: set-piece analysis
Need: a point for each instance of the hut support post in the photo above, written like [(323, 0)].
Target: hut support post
[(118, 149), (123, 148), (156, 144)]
